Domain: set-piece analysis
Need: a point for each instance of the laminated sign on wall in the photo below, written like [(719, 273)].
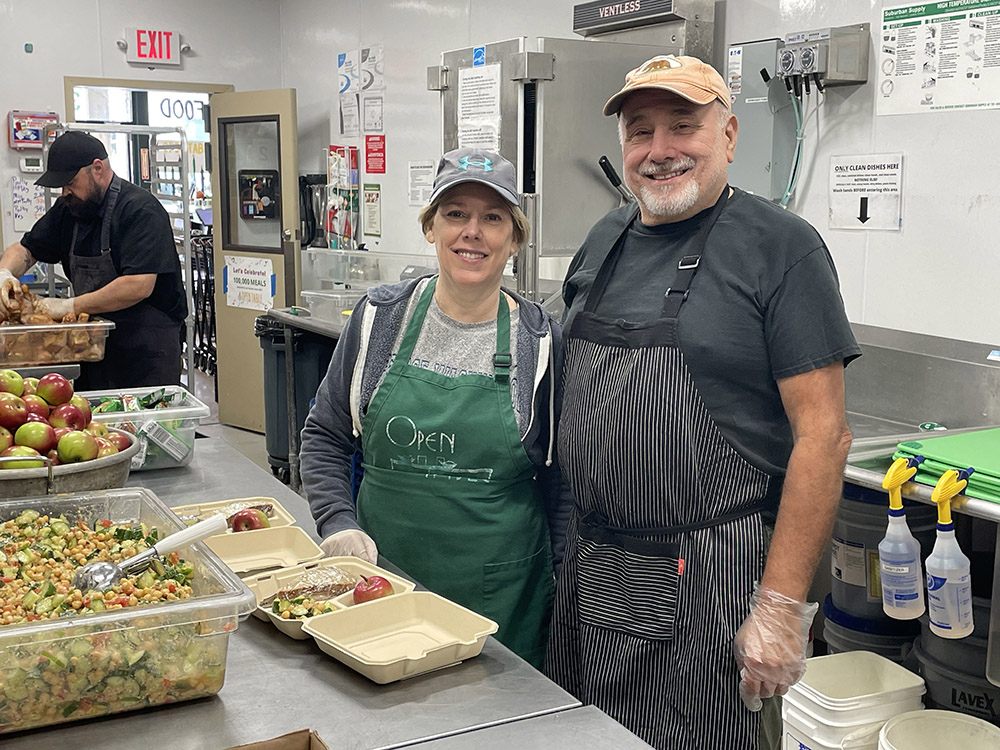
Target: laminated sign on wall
[(865, 191), (249, 282)]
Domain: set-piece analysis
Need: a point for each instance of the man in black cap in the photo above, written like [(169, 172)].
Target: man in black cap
[(116, 246)]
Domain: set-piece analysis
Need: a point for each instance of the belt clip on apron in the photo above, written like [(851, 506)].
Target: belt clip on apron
[(449, 493), (669, 537)]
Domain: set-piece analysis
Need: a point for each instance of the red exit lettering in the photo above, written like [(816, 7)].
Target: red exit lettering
[(153, 45)]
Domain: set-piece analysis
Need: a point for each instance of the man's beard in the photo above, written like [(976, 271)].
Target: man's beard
[(83, 209), (673, 201)]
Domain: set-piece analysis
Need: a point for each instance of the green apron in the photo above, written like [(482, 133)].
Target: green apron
[(449, 494)]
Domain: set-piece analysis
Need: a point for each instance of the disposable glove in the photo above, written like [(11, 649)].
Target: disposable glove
[(350, 543), (56, 308), (9, 285), (770, 646)]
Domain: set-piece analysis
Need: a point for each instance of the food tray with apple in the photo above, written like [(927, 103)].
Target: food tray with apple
[(57, 343), (401, 636), (272, 513), (352, 582)]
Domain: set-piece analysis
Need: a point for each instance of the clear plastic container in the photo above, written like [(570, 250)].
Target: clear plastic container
[(166, 436), (59, 343), (332, 306), (361, 269), (53, 671)]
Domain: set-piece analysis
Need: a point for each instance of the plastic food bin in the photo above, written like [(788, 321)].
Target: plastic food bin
[(166, 436), (332, 306), (72, 668), (361, 269), (59, 343)]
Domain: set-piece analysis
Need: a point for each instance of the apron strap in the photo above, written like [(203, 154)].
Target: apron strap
[(113, 190), (596, 518)]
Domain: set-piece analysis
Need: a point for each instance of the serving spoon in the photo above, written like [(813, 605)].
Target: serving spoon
[(101, 576)]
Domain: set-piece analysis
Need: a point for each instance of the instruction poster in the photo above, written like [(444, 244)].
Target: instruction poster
[(249, 282), (939, 56), (866, 191), (27, 203), (375, 154), (420, 182), (372, 216), (479, 107)]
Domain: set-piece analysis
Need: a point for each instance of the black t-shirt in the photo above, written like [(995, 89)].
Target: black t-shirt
[(764, 305), (141, 242)]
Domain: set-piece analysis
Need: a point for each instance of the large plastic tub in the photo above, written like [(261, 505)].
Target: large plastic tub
[(361, 269), (59, 343), (932, 730), (166, 436), (332, 306), (125, 659)]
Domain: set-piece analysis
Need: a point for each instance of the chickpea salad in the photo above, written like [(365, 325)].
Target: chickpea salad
[(39, 555)]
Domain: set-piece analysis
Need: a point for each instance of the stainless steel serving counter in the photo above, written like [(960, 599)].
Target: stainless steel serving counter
[(276, 685)]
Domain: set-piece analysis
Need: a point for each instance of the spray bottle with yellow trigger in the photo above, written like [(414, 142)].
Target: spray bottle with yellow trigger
[(899, 551), (949, 578)]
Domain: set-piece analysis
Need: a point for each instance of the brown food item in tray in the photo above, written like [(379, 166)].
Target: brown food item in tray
[(319, 584)]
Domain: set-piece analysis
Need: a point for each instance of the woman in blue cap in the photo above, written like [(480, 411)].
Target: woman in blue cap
[(448, 386)]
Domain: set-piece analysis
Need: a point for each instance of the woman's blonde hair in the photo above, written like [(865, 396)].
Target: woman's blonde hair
[(521, 228)]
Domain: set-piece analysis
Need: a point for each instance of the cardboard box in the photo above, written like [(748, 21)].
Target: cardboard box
[(304, 739)]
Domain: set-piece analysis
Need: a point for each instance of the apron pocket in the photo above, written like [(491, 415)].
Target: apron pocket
[(626, 584), (518, 594)]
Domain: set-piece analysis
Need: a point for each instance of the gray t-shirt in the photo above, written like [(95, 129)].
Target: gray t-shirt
[(764, 305), (451, 348)]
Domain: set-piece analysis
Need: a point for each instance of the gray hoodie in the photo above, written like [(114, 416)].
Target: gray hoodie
[(332, 429)]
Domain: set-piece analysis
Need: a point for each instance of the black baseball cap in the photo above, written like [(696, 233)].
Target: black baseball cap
[(476, 165), (68, 154)]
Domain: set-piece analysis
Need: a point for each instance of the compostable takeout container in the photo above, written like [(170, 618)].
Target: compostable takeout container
[(264, 549), (279, 517), (401, 636), (126, 659), (99, 474), (266, 585)]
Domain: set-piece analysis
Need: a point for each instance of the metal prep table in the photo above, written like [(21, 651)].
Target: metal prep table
[(276, 685)]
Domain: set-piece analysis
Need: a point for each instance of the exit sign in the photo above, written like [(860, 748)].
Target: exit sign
[(153, 47)]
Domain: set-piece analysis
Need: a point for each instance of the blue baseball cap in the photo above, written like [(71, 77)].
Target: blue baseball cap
[(475, 165)]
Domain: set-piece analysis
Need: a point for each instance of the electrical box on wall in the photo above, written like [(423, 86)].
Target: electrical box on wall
[(766, 144), (836, 56)]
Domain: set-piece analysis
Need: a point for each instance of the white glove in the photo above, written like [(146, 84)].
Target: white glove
[(9, 285), (350, 543), (56, 308), (770, 646)]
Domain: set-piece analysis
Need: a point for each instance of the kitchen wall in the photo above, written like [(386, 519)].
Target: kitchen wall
[(937, 276)]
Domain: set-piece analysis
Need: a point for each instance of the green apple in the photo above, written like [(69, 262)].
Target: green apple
[(76, 446), (11, 382), (24, 451)]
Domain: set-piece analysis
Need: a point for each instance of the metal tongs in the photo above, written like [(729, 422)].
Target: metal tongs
[(100, 575), (615, 180)]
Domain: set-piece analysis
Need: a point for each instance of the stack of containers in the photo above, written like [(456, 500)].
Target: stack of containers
[(843, 700), (166, 434), (853, 611)]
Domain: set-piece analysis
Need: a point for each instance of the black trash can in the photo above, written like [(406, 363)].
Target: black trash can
[(312, 353)]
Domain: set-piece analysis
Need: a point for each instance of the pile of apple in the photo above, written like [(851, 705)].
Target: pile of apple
[(43, 417)]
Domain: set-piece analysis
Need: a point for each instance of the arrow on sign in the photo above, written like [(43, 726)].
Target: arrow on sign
[(863, 214)]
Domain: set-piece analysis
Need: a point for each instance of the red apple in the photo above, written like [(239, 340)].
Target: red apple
[(54, 388), (97, 429), (6, 439), (67, 415), (36, 405), (36, 435), (105, 447), (13, 412), (35, 418), (54, 457), (30, 384), (11, 382), (249, 519), (77, 446), (20, 450), (60, 431), (372, 587), (83, 405), (119, 439)]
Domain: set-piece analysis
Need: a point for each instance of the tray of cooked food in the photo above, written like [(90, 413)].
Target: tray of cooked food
[(158, 636), (289, 596), (239, 513), (29, 338)]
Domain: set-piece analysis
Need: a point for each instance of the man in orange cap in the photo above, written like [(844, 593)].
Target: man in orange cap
[(703, 432)]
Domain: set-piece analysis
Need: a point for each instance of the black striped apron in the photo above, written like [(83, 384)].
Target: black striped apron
[(667, 537)]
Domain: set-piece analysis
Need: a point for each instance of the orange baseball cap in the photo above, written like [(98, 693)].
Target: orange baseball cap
[(688, 77)]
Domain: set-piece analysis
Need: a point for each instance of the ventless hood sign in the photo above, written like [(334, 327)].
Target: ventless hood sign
[(153, 47)]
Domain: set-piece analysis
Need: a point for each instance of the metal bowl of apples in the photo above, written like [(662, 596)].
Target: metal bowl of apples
[(48, 443)]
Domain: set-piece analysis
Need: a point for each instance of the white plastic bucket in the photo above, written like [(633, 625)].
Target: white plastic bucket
[(935, 730), (843, 700), (856, 583)]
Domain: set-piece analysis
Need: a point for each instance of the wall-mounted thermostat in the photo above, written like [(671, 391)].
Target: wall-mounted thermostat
[(31, 163)]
